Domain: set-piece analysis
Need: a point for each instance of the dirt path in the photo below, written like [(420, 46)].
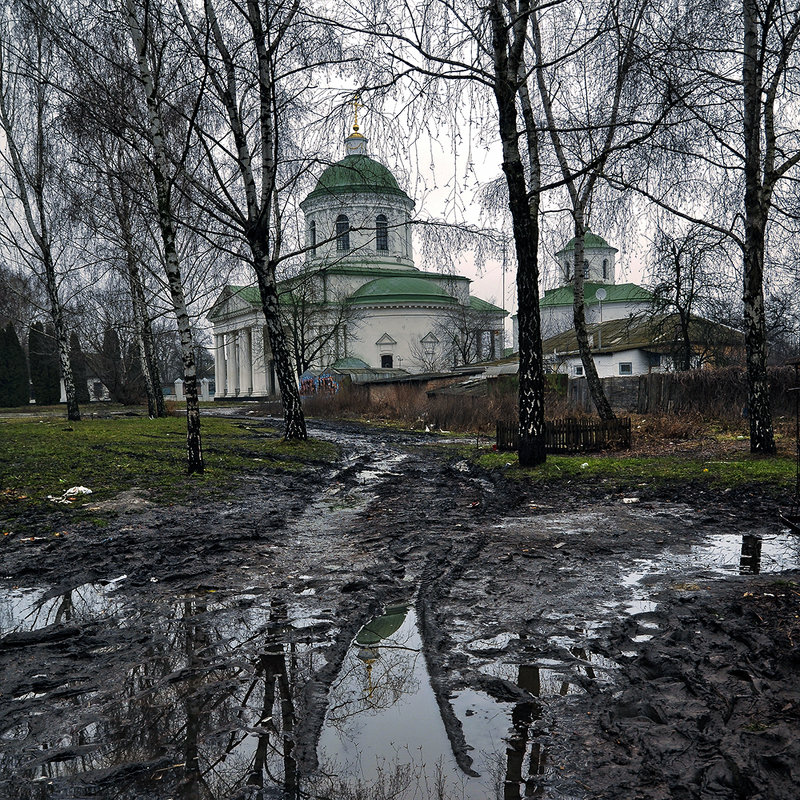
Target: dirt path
[(405, 626)]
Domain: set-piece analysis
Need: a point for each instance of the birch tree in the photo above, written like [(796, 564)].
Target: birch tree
[(733, 165), (452, 53), (255, 57), (598, 102), (32, 155), (163, 176)]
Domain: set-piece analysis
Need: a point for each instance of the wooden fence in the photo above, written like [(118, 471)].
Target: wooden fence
[(572, 435), (721, 392)]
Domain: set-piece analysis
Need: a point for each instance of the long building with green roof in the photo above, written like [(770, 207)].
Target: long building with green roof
[(359, 294)]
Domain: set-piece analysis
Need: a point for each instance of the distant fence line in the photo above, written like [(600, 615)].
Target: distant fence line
[(707, 391), (572, 435)]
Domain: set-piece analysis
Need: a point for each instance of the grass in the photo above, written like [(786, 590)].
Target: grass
[(775, 472), (42, 456)]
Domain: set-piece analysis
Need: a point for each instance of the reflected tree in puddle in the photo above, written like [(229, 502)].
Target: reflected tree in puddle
[(276, 736), (523, 715), (201, 708), (750, 560)]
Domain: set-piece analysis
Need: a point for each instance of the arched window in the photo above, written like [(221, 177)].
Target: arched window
[(312, 235), (342, 232), (605, 268), (381, 232)]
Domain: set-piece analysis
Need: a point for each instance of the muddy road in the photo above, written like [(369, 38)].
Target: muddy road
[(405, 625)]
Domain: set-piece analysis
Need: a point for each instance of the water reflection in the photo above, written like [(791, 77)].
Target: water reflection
[(33, 609), (202, 706), (750, 560), (203, 697), (383, 725), (518, 778)]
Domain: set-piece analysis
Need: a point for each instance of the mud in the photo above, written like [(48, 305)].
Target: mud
[(403, 625)]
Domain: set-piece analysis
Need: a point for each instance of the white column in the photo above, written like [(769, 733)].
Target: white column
[(234, 386), (179, 395), (245, 363), (259, 363), (220, 367), (205, 390)]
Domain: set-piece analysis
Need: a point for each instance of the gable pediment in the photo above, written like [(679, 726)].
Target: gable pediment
[(385, 340), (232, 302)]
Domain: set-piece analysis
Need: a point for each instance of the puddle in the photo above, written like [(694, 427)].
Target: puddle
[(384, 733), (717, 556), (747, 554), (196, 690), (26, 609), (383, 728)]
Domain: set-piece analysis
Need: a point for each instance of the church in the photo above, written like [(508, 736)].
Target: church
[(359, 295), (626, 335)]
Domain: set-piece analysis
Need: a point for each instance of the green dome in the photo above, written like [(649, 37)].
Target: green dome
[(382, 627), (355, 174), (589, 240), (402, 290)]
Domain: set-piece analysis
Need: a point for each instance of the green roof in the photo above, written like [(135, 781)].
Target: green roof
[(382, 627), (589, 240), (615, 293), (402, 290), (342, 268), (249, 294), (476, 304), (657, 333), (356, 173)]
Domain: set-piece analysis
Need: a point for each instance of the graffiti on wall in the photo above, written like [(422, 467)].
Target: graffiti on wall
[(318, 384)]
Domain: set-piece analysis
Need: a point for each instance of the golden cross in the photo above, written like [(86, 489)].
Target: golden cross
[(356, 106)]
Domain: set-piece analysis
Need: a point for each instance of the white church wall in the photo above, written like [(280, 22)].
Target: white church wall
[(601, 264), (361, 214), (405, 326)]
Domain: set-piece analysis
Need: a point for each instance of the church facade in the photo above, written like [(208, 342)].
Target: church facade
[(359, 295)]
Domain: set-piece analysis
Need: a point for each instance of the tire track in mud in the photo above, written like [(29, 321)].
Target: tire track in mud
[(422, 538)]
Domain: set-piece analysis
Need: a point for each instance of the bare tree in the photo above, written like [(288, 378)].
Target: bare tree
[(254, 58), (163, 175), (598, 102), (484, 52), (688, 274), (316, 321), (32, 155), (732, 165)]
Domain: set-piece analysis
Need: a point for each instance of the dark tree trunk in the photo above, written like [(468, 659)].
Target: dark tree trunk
[(524, 215), (756, 207), (143, 330), (294, 420), (144, 340), (686, 357)]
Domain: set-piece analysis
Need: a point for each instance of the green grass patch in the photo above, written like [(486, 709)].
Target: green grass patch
[(45, 456), (777, 472)]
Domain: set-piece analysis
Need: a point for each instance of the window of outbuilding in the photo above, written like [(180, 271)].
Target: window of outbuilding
[(387, 362), (381, 232), (605, 268), (342, 232), (579, 370), (625, 368)]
